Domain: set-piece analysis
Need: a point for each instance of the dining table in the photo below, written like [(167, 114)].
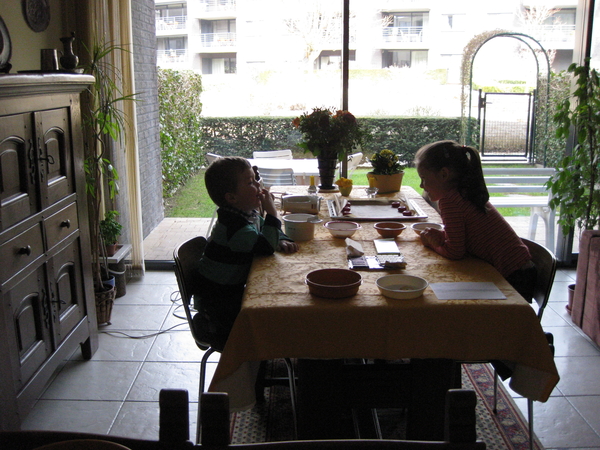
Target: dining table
[(280, 318)]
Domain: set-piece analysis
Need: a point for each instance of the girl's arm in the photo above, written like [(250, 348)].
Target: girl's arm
[(450, 243)]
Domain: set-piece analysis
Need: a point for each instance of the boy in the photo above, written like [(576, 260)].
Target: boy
[(239, 234)]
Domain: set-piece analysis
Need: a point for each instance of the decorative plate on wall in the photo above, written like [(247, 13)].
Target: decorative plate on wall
[(37, 14), (5, 47)]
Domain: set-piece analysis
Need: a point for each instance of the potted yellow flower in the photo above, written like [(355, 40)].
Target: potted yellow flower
[(329, 135), (387, 172)]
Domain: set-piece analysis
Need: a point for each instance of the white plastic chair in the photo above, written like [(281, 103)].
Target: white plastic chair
[(210, 157), (353, 162), (278, 154), (277, 177)]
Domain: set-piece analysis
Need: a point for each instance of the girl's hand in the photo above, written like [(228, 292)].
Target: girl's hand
[(288, 246), (431, 237)]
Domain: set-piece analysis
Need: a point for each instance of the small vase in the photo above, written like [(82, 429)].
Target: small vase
[(386, 183), (327, 166), (345, 190), (68, 60)]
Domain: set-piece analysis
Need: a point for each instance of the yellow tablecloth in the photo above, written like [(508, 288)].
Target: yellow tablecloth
[(279, 318)]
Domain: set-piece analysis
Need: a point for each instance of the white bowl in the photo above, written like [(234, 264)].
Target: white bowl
[(300, 227), (402, 286), (420, 226), (342, 228)]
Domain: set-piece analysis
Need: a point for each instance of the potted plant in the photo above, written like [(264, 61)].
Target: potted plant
[(110, 230), (387, 172), (576, 189), (103, 121), (329, 135)]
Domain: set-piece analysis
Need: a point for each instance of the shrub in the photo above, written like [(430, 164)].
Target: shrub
[(180, 128)]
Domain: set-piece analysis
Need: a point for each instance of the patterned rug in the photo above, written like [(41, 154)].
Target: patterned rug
[(271, 420)]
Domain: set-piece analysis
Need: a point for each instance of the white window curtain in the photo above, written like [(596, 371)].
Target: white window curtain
[(110, 21)]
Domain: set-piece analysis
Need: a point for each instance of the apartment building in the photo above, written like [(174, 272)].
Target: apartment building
[(218, 37)]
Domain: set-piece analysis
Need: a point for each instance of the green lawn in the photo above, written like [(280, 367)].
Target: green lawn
[(192, 200)]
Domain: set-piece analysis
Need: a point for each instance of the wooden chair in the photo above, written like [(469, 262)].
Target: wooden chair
[(277, 177), (278, 154), (186, 257), (460, 431)]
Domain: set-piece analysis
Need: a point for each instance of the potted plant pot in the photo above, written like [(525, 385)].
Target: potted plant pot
[(385, 183)]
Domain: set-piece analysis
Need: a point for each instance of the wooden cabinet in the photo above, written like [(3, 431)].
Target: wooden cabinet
[(47, 305)]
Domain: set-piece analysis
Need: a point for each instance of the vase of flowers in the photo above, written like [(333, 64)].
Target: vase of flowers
[(329, 135), (387, 172), (345, 186)]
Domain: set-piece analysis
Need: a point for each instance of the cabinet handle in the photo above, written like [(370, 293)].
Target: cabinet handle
[(66, 223), (25, 250)]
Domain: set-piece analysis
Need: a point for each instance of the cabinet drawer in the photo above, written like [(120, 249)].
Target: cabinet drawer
[(61, 224), (20, 251)]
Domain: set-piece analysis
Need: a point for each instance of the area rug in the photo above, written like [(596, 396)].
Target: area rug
[(271, 420)]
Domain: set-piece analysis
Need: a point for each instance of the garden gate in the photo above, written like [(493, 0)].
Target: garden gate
[(507, 126)]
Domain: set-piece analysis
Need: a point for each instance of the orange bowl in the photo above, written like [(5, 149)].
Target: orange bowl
[(333, 283), (389, 229)]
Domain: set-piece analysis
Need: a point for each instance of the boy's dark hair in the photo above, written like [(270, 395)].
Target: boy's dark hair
[(463, 162), (221, 177)]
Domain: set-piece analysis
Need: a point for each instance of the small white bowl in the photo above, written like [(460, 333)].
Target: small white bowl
[(420, 226), (342, 228), (401, 286), (300, 227)]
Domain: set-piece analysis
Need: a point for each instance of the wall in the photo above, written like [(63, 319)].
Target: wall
[(144, 35), (26, 43)]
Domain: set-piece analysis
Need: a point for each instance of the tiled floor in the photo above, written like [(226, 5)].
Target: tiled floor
[(148, 347)]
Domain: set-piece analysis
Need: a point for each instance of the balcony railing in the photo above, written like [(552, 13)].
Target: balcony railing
[(402, 34), (217, 5), (553, 33), (171, 23), (218, 39), (171, 57)]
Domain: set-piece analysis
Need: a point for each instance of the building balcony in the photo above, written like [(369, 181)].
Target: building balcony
[(218, 40), (171, 25), (393, 35), (171, 58), (553, 36), (210, 8)]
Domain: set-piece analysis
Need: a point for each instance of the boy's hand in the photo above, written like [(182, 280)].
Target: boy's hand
[(433, 238), (268, 203), (288, 246)]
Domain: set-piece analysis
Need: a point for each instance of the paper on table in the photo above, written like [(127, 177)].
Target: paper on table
[(467, 291)]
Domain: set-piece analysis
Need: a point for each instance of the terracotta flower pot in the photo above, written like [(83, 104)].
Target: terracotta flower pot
[(386, 183)]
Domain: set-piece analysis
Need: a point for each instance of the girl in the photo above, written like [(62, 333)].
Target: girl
[(451, 174)]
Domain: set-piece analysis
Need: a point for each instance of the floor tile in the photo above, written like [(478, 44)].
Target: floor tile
[(568, 342), (118, 347), (137, 317), (69, 415), (148, 294), (137, 419), (579, 375), (589, 408), (93, 380), (155, 376)]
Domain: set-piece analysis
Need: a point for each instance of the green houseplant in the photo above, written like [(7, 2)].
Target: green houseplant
[(103, 121), (387, 172), (110, 230), (330, 135), (576, 185), (576, 191)]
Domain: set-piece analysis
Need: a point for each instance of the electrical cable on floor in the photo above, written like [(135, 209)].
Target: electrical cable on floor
[(175, 298)]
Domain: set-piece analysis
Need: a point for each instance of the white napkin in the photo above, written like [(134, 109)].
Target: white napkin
[(465, 290), (353, 248)]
